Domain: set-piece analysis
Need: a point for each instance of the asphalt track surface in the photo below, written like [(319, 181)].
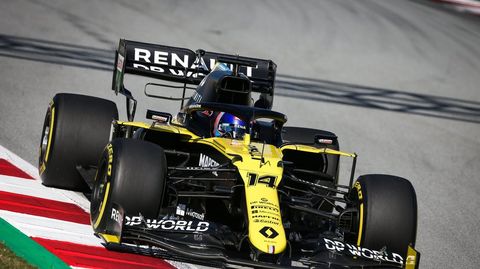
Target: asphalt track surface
[(397, 81)]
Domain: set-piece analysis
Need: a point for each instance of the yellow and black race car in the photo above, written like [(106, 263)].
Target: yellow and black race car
[(224, 182)]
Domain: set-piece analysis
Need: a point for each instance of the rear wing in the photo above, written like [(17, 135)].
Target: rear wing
[(185, 66)]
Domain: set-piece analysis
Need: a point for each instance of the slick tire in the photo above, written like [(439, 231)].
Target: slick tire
[(131, 174), (387, 213), (75, 131)]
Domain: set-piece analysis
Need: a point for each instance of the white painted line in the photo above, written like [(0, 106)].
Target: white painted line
[(35, 226), (36, 189), (19, 162), (56, 194), (468, 3), (29, 187), (74, 197), (464, 5)]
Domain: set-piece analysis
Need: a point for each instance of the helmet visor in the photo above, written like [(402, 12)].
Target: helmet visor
[(231, 130)]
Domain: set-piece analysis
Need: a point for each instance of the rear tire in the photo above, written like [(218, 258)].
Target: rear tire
[(389, 213), (131, 174), (75, 131)]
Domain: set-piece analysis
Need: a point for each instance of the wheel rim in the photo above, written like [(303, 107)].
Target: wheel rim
[(99, 192), (43, 145), (45, 137)]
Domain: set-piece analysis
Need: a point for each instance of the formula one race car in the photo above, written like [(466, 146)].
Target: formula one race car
[(223, 182)]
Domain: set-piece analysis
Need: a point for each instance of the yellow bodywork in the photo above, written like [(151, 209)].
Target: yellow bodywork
[(108, 238), (261, 169), (413, 258)]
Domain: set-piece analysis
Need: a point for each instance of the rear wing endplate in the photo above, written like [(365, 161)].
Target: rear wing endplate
[(185, 66)]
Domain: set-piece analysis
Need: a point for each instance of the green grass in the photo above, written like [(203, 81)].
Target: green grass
[(8, 259)]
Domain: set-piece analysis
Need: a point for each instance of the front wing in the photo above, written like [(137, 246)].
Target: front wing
[(213, 244)]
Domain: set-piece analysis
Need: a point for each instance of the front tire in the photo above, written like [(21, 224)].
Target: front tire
[(75, 131), (387, 213), (131, 174)]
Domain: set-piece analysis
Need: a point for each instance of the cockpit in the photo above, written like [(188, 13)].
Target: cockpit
[(234, 121)]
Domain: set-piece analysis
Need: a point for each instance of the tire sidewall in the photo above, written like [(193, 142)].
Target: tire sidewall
[(387, 212), (79, 128), (124, 190)]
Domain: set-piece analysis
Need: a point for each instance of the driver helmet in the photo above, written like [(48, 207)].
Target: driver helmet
[(229, 126)]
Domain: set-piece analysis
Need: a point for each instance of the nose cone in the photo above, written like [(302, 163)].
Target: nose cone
[(261, 175), (265, 228)]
